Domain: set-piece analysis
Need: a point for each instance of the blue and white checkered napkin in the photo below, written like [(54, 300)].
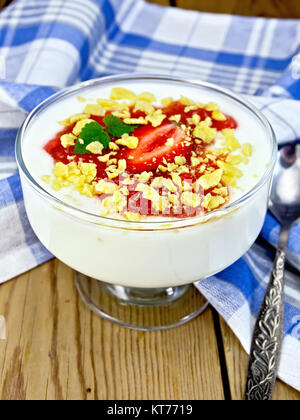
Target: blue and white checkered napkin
[(60, 42)]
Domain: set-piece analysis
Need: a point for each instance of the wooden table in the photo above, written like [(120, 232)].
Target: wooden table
[(268, 8), (57, 349)]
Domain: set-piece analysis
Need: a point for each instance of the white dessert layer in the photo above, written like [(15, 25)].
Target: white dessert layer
[(149, 259), (129, 256)]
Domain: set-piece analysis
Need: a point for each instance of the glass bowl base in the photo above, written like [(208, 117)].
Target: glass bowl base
[(141, 309)]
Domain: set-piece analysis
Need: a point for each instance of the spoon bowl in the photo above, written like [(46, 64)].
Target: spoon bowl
[(285, 194)]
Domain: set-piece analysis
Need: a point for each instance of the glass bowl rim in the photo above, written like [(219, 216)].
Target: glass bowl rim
[(152, 224)]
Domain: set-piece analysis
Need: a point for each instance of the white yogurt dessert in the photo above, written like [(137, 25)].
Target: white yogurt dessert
[(146, 182)]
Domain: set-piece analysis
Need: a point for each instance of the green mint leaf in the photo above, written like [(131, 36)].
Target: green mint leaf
[(91, 132), (116, 127)]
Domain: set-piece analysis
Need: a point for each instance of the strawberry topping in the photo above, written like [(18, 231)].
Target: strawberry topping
[(157, 146)]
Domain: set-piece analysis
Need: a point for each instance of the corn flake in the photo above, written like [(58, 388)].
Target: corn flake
[(129, 141), (209, 181), (204, 132), (68, 140), (95, 147), (146, 97), (121, 93)]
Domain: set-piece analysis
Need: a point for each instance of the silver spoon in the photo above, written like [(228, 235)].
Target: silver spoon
[(268, 332)]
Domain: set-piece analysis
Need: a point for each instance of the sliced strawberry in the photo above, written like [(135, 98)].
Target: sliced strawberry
[(99, 120), (153, 147)]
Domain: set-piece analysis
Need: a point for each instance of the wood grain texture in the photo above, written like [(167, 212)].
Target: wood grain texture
[(268, 8), (237, 363), (56, 349), (161, 2)]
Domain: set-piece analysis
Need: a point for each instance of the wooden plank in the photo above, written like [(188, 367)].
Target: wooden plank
[(57, 349), (161, 2), (4, 3), (269, 8), (237, 361)]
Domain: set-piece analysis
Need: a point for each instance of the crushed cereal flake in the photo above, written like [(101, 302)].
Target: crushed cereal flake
[(200, 179)]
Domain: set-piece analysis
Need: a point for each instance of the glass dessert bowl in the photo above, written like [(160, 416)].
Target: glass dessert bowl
[(144, 195)]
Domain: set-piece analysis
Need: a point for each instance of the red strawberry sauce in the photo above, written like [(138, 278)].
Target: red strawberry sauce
[(152, 145)]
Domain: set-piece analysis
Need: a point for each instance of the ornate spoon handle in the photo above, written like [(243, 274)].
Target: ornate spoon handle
[(267, 338)]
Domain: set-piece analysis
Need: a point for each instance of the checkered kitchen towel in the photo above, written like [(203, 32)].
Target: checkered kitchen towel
[(48, 44)]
